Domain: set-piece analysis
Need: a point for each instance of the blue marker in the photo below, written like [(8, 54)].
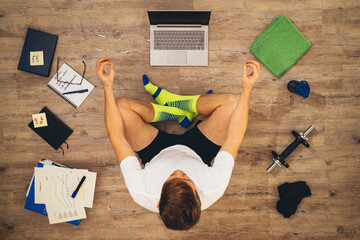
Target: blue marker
[(80, 91), (78, 187)]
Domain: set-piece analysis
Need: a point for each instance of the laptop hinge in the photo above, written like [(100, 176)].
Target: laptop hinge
[(178, 25)]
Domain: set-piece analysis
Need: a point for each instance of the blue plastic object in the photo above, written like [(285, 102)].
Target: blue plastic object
[(301, 88)]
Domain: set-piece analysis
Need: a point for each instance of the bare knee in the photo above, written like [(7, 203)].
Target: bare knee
[(122, 102), (233, 99), (229, 100)]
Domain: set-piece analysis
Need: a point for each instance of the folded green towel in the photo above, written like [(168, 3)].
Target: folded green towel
[(280, 46)]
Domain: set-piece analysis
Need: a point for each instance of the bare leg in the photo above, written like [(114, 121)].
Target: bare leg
[(136, 115), (220, 108)]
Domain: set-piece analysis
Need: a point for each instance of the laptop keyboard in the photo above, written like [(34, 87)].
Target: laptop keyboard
[(179, 40)]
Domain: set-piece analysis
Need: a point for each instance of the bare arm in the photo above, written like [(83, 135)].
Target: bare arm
[(239, 119), (113, 118)]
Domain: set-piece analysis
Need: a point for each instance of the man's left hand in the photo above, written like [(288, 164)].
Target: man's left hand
[(249, 80), (107, 79)]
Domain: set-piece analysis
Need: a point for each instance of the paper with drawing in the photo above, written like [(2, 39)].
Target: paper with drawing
[(54, 186)]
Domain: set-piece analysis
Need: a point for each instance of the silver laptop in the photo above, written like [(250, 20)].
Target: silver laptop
[(179, 38)]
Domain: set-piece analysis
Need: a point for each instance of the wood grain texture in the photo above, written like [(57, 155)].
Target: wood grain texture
[(331, 166)]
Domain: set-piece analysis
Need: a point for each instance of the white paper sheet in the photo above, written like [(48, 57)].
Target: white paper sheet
[(85, 196), (39, 186), (59, 204), (54, 186)]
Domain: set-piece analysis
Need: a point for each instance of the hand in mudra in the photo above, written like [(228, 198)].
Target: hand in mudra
[(107, 79), (249, 80)]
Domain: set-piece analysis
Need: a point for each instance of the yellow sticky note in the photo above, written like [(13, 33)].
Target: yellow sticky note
[(39, 120), (37, 58)]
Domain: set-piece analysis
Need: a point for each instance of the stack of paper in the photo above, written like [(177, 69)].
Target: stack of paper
[(54, 185)]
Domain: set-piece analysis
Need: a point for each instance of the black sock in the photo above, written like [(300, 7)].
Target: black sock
[(291, 195)]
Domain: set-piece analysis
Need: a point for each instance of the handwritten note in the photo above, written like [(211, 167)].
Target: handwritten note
[(37, 58), (39, 120)]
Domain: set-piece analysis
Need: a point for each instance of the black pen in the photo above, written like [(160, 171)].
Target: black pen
[(78, 187), (79, 91)]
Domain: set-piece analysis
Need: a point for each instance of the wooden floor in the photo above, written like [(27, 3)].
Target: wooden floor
[(331, 166)]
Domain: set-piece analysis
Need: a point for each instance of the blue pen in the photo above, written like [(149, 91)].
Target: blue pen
[(79, 91), (78, 187)]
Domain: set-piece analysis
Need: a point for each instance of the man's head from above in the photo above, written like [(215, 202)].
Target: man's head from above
[(179, 205)]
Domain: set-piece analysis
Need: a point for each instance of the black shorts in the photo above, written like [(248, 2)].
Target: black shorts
[(192, 138)]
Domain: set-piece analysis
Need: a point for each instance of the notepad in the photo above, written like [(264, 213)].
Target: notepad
[(69, 80), (37, 53), (56, 132)]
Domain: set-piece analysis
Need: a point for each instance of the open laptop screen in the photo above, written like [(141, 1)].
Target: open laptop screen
[(179, 17)]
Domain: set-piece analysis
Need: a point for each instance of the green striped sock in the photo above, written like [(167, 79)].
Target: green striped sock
[(166, 113), (166, 98)]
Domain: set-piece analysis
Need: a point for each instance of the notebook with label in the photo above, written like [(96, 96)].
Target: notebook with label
[(55, 133), (37, 53)]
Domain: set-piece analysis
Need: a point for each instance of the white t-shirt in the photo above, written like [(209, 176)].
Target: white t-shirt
[(145, 185)]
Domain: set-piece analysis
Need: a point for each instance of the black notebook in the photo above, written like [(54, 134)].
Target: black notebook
[(40, 45), (56, 132)]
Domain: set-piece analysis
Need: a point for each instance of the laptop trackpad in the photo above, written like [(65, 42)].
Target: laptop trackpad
[(176, 57)]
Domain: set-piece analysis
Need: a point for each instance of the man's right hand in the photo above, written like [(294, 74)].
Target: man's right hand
[(249, 80), (107, 79)]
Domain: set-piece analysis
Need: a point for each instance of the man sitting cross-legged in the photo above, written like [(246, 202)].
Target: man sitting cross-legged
[(178, 179)]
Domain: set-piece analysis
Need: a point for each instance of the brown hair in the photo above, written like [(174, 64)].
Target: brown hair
[(180, 207)]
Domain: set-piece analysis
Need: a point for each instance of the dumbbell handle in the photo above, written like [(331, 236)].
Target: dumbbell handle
[(278, 160), (272, 167), (290, 149), (301, 139), (308, 131)]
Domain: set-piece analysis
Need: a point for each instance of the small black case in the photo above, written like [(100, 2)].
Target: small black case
[(55, 133)]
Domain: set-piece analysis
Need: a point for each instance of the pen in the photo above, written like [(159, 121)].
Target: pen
[(78, 187), (79, 91), (59, 165)]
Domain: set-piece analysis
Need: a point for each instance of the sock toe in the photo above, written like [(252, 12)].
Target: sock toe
[(185, 122), (145, 79)]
